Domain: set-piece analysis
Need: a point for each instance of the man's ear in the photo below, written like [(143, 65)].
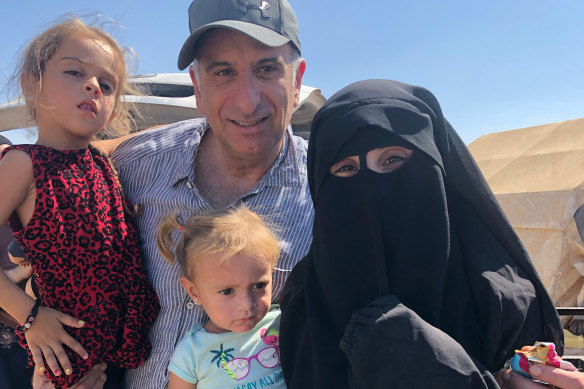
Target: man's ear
[(189, 287), (299, 74), (197, 89)]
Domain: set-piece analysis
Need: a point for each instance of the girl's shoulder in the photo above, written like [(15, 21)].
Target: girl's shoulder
[(17, 178), (16, 157), (34, 151)]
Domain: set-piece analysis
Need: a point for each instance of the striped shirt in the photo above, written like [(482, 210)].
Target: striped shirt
[(157, 169)]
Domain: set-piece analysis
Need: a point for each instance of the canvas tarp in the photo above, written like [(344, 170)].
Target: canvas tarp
[(537, 174)]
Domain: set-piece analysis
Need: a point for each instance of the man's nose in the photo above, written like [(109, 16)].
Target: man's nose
[(247, 94)]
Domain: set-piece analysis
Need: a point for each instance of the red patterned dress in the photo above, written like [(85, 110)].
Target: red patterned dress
[(86, 260)]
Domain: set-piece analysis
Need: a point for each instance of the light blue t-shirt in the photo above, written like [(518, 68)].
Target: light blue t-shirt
[(232, 360)]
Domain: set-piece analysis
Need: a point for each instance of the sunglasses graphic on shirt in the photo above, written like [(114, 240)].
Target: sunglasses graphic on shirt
[(239, 367)]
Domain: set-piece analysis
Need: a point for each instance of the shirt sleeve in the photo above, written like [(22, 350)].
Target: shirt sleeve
[(183, 361)]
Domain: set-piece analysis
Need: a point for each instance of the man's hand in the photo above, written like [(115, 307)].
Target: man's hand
[(93, 380), (46, 337), (563, 379)]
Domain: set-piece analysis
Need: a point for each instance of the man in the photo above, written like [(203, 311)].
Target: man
[(246, 71)]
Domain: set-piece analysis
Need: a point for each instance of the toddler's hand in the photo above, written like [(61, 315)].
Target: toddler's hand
[(46, 336)]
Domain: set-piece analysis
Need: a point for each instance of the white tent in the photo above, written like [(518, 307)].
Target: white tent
[(537, 174)]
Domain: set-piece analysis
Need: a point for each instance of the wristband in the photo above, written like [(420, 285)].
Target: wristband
[(30, 318)]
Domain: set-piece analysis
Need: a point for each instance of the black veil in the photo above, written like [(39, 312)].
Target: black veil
[(414, 276)]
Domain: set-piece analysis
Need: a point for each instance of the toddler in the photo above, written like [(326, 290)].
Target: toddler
[(227, 259)]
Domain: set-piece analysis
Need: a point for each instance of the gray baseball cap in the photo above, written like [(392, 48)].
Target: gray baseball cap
[(270, 22)]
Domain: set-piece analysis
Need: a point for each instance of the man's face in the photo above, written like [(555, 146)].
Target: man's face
[(246, 91)]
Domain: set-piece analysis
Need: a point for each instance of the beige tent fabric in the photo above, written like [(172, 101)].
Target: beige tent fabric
[(537, 174)]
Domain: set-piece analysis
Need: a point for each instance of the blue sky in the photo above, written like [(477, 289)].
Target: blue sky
[(494, 66)]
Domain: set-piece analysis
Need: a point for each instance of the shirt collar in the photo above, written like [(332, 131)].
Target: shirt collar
[(286, 170), (185, 166)]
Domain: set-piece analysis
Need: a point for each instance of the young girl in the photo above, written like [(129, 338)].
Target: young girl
[(227, 259), (66, 210)]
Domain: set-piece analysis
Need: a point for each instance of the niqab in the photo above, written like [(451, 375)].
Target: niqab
[(429, 234)]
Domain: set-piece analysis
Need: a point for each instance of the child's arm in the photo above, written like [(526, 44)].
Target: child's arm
[(46, 334), (175, 382), (17, 187), (182, 365)]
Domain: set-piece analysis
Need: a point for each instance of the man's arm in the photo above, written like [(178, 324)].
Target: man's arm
[(110, 145)]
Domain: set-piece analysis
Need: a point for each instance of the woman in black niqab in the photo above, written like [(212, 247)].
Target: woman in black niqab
[(415, 277)]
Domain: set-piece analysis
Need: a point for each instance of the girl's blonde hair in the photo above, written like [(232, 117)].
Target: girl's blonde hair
[(229, 232), (42, 48)]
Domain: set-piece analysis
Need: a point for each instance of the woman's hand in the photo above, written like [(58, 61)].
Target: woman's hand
[(46, 336), (560, 378)]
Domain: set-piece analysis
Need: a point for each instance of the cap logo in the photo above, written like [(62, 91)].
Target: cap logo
[(262, 5)]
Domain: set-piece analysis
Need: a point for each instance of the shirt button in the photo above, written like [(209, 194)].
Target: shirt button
[(190, 305)]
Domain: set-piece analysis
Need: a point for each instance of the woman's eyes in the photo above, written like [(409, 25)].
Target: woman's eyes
[(381, 160), (345, 168), (387, 159), (393, 159)]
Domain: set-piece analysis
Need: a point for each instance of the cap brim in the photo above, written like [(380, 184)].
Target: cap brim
[(261, 34)]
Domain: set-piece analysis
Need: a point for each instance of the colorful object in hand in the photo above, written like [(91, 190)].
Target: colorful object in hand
[(541, 352)]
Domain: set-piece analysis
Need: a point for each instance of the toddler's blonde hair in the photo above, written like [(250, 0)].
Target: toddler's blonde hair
[(229, 232)]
